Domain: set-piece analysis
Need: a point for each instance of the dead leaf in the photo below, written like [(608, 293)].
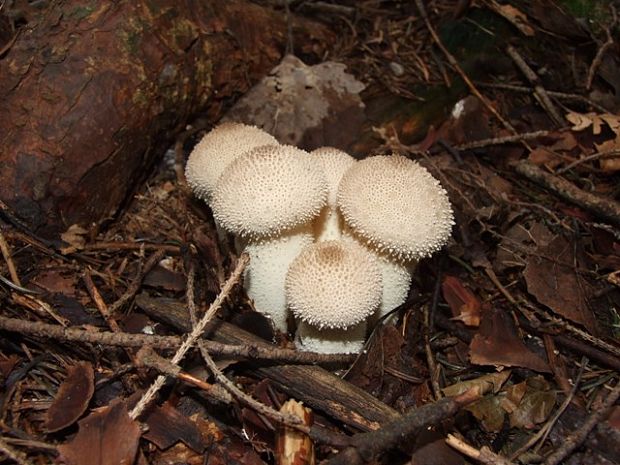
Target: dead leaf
[(583, 121), (436, 453), (498, 344), (464, 304), (535, 406), (488, 411), (167, 426), (484, 384), (306, 106), (106, 437), (72, 397), (74, 238), (551, 278), (609, 164)]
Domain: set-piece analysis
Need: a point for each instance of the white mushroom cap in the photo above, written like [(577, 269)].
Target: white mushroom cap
[(396, 206), (216, 150), (269, 190), (328, 225), (333, 284)]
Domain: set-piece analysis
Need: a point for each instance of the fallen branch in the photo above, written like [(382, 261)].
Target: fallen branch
[(607, 209), (127, 340), (366, 446)]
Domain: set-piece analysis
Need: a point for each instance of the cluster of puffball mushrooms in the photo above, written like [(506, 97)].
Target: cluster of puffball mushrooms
[(331, 240)]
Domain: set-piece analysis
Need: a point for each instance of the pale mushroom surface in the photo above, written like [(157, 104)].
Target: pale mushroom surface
[(333, 284), (269, 190), (328, 225), (396, 206), (331, 341), (265, 275), (216, 150), (396, 277)]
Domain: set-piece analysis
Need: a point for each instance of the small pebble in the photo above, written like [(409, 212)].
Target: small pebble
[(397, 69)]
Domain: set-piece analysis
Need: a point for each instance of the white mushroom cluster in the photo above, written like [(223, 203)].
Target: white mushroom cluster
[(332, 241)]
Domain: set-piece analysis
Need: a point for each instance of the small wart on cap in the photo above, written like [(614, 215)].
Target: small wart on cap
[(269, 190), (333, 284), (396, 206)]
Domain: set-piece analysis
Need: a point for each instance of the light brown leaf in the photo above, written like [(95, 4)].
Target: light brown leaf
[(487, 383)]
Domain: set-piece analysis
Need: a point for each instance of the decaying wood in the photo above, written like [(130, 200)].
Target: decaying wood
[(313, 385), (91, 95)]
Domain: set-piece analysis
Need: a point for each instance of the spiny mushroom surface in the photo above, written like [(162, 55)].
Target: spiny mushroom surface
[(269, 196), (269, 190), (216, 150), (332, 285), (328, 225), (396, 206)]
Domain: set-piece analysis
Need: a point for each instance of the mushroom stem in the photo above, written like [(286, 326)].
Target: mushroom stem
[(330, 340), (328, 225), (266, 273)]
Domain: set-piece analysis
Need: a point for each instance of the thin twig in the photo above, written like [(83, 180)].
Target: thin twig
[(13, 454), (539, 90), (106, 338), (99, 302), (600, 53), (501, 140), (134, 287), (6, 253), (241, 396), (575, 439), (282, 418), (433, 368), (190, 341), (595, 156), (551, 93), (483, 455)]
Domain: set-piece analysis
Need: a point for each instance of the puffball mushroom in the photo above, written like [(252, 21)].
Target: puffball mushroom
[(332, 287), (328, 226), (216, 150), (398, 209), (269, 197)]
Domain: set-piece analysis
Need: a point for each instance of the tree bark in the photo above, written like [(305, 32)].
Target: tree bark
[(91, 94)]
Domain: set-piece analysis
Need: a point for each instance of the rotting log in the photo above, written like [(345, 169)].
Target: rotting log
[(315, 386), (91, 94)]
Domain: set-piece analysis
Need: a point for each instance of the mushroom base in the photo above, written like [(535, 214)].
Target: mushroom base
[(330, 341)]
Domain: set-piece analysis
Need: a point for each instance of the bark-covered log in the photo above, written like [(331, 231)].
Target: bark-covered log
[(91, 94)]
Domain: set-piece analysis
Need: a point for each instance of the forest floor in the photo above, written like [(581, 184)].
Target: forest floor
[(517, 318)]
